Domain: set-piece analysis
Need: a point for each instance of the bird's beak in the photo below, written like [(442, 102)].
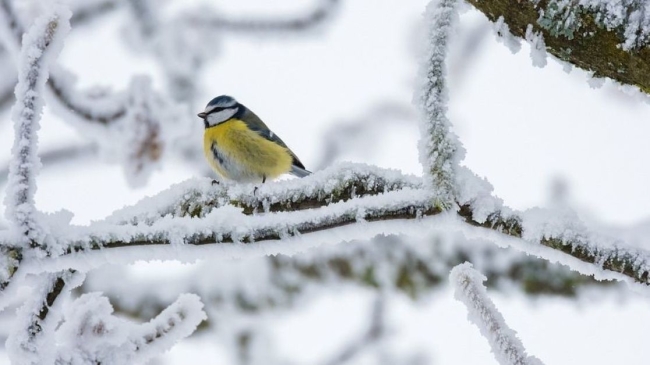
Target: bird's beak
[(202, 115)]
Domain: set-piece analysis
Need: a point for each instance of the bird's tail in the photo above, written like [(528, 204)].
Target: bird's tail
[(300, 172)]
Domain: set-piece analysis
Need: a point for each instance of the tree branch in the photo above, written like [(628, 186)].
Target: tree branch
[(29, 345), (322, 10), (440, 150), (414, 267), (469, 289), (585, 41), (40, 45)]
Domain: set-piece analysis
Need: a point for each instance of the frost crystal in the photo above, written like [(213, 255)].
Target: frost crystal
[(560, 18), (537, 46), (440, 150), (469, 289), (41, 44), (504, 36)]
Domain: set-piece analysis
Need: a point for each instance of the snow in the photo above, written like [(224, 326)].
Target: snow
[(537, 46), (471, 190), (199, 196), (440, 150), (41, 44), (469, 289), (92, 334), (502, 31)]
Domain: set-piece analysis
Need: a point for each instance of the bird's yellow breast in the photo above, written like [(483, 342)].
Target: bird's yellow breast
[(238, 153)]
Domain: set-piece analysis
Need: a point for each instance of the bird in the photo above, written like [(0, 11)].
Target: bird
[(241, 148)]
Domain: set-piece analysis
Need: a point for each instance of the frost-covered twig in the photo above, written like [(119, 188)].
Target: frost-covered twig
[(40, 45), (469, 289), (321, 11), (32, 340), (440, 150), (91, 334)]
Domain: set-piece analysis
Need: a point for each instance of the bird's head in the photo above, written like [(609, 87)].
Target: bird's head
[(219, 110)]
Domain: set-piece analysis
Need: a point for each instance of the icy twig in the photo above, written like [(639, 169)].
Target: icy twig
[(31, 341), (469, 289), (440, 150), (322, 10), (40, 45), (91, 334)]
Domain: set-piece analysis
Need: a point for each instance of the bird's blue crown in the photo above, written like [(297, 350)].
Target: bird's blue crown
[(223, 101)]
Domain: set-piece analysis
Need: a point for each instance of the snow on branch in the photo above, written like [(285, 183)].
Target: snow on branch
[(40, 45), (32, 340), (91, 334), (198, 197), (415, 267), (440, 150), (229, 224), (321, 11), (564, 232), (469, 289)]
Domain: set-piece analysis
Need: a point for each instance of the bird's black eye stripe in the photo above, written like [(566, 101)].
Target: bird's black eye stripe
[(221, 108)]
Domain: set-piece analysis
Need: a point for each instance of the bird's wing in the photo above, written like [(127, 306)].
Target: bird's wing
[(255, 123)]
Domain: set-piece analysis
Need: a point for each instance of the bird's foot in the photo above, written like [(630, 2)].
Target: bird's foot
[(255, 191)]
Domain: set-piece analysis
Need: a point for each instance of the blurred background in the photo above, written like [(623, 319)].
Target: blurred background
[(335, 80)]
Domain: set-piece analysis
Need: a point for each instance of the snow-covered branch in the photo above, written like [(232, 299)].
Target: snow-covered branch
[(469, 289), (610, 39), (231, 225), (91, 334), (198, 197), (40, 45), (32, 341), (320, 12), (415, 267), (564, 232), (440, 150)]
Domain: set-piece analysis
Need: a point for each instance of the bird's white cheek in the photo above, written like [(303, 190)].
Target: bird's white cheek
[(221, 116)]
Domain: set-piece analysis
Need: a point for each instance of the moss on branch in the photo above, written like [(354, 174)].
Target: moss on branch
[(589, 46)]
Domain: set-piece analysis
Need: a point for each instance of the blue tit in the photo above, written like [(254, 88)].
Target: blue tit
[(240, 147)]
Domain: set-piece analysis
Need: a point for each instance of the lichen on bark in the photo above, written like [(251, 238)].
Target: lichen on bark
[(586, 44)]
